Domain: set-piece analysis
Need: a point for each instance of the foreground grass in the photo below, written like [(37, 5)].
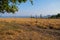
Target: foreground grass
[(25, 29)]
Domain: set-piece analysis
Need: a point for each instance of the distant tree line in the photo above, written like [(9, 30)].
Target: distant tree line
[(36, 16), (55, 16), (52, 16)]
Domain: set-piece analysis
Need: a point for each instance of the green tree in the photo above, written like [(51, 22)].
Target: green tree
[(55, 16), (6, 7)]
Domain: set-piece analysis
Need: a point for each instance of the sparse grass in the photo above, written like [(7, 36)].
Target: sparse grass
[(28, 29)]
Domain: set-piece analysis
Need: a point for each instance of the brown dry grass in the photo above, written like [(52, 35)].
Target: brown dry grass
[(46, 23), (28, 29)]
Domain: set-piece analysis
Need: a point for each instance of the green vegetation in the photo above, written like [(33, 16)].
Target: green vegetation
[(55, 16), (10, 5)]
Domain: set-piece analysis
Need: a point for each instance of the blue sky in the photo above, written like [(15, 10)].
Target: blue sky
[(44, 7)]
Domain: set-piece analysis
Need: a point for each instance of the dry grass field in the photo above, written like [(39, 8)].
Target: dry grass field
[(29, 29)]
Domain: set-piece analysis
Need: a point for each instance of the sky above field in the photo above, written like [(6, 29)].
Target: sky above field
[(44, 7)]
